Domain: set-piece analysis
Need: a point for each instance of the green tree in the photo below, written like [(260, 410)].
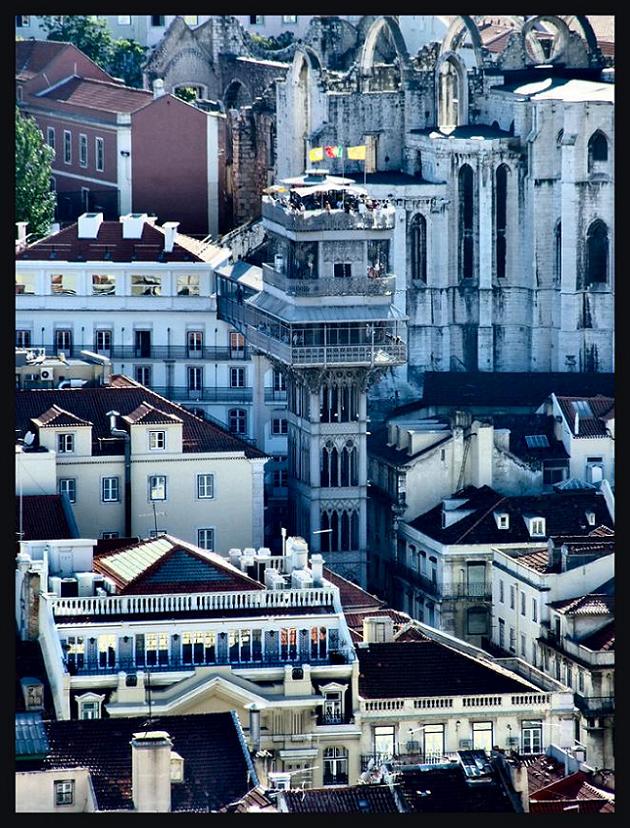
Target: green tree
[(34, 200), (186, 93), (120, 58)]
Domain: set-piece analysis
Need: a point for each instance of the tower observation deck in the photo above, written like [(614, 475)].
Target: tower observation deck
[(324, 314)]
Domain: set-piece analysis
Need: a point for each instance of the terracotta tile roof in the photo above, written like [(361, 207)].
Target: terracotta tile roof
[(564, 512), (592, 604), (254, 801), (97, 94), (409, 633), (427, 668), (216, 767), (592, 425), (352, 595), (350, 799), (537, 560), (147, 414), (542, 770), (167, 565), (43, 518), (355, 618), (569, 792), (56, 416), (148, 248), (601, 640), (125, 395), (33, 56)]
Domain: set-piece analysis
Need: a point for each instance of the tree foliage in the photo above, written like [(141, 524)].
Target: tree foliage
[(34, 200), (273, 43), (186, 93), (121, 58)]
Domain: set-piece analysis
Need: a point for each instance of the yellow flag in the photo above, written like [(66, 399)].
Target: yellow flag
[(316, 154), (357, 153)]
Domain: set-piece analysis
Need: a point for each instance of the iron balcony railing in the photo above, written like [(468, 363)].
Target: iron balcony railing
[(331, 286), (336, 219), (207, 394), (208, 353), (412, 576), (370, 761), (271, 395)]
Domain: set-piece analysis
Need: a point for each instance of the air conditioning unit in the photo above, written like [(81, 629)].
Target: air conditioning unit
[(465, 744), (412, 747), (47, 374)]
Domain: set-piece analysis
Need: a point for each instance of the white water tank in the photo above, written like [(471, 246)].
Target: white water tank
[(86, 583), (278, 263), (54, 585)]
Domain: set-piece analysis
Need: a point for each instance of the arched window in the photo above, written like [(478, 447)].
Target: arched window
[(597, 253), (597, 151), (466, 203), (500, 219), (237, 418), (557, 251), (344, 534), (418, 247), (449, 95)]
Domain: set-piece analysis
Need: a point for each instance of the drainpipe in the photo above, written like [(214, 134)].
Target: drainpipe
[(119, 432)]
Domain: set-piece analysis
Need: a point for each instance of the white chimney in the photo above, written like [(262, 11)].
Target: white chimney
[(170, 235), (21, 231), (89, 224), (54, 228), (317, 569), (297, 551), (158, 88), (254, 726), (576, 424), (133, 225), (378, 629), (112, 419), (151, 771)]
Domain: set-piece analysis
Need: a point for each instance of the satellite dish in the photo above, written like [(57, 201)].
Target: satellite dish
[(28, 438)]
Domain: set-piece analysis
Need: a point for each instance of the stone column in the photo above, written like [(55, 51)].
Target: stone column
[(485, 361)]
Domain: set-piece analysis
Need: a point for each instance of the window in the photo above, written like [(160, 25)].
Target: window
[(124, 20), (523, 645), (63, 340), (83, 150), (90, 706), (279, 426), (554, 474), (569, 678), (106, 650), (110, 535), (146, 285), (597, 253), (237, 420), (68, 486), (557, 242), (501, 592), (534, 610), (466, 208), (205, 485), (534, 654), (50, 137), (190, 19), (25, 284), (333, 706), (512, 640), (65, 443), (75, 653), (103, 342), (289, 18), (63, 283), (157, 648), (22, 339), (418, 245), (158, 20), (512, 596), (188, 285), (523, 604), (195, 378), (537, 527), (482, 736), (385, 740), (237, 345), (256, 20), (100, 154), (597, 151), (205, 539), (22, 20), (142, 374), (194, 341), (157, 440), (198, 648), (288, 643), (67, 147), (531, 737), (279, 381), (477, 621), (433, 741), (111, 490), (64, 792), (157, 487), (103, 284), (500, 219), (501, 633), (594, 469), (335, 766), (237, 378), (580, 682), (343, 270)]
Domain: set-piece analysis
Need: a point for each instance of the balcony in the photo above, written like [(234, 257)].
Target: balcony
[(162, 352), (217, 394), (272, 395), (595, 705), (412, 576), (322, 220), (375, 760), (332, 286), (426, 705), (474, 592)]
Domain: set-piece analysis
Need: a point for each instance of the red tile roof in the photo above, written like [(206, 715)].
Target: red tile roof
[(148, 248), (537, 560), (352, 595), (43, 518), (588, 426), (146, 414), (56, 416), (32, 56), (592, 604), (568, 792), (541, 771), (124, 395), (96, 94), (143, 569)]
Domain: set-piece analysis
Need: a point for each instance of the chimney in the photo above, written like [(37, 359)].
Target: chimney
[(576, 424), (297, 551), (133, 225), (158, 88), (317, 569), (520, 783), (482, 446), (254, 726), (151, 771), (21, 231), (88, 225), (378, 630), (170, 235), (112, 420)]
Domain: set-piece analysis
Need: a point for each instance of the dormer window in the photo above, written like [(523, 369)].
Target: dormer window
[(537, 527), (65, 443), (157, 440), (590, 518), (90, 705), (503, 520)]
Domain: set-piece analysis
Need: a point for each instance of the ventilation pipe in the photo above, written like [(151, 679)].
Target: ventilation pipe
[(317, 569), (119, 432)]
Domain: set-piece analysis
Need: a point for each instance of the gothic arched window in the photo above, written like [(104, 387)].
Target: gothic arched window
[(466, 204), (557, 273), (597, 253), (418, 247), (500, 219)]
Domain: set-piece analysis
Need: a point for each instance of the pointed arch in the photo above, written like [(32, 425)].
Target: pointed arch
[(417, 239), (456, 31), (596, 271), (366, 62), (451, 91), (586, 30), (532, 46), (597, 151)]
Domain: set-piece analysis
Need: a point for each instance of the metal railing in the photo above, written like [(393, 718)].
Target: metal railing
[(271, 395), (401, 570), (330, 286), (336, 219), (209, 353), (207, 394), (375, 760)]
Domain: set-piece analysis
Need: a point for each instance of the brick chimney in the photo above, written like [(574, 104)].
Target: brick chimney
[(151, 771)]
